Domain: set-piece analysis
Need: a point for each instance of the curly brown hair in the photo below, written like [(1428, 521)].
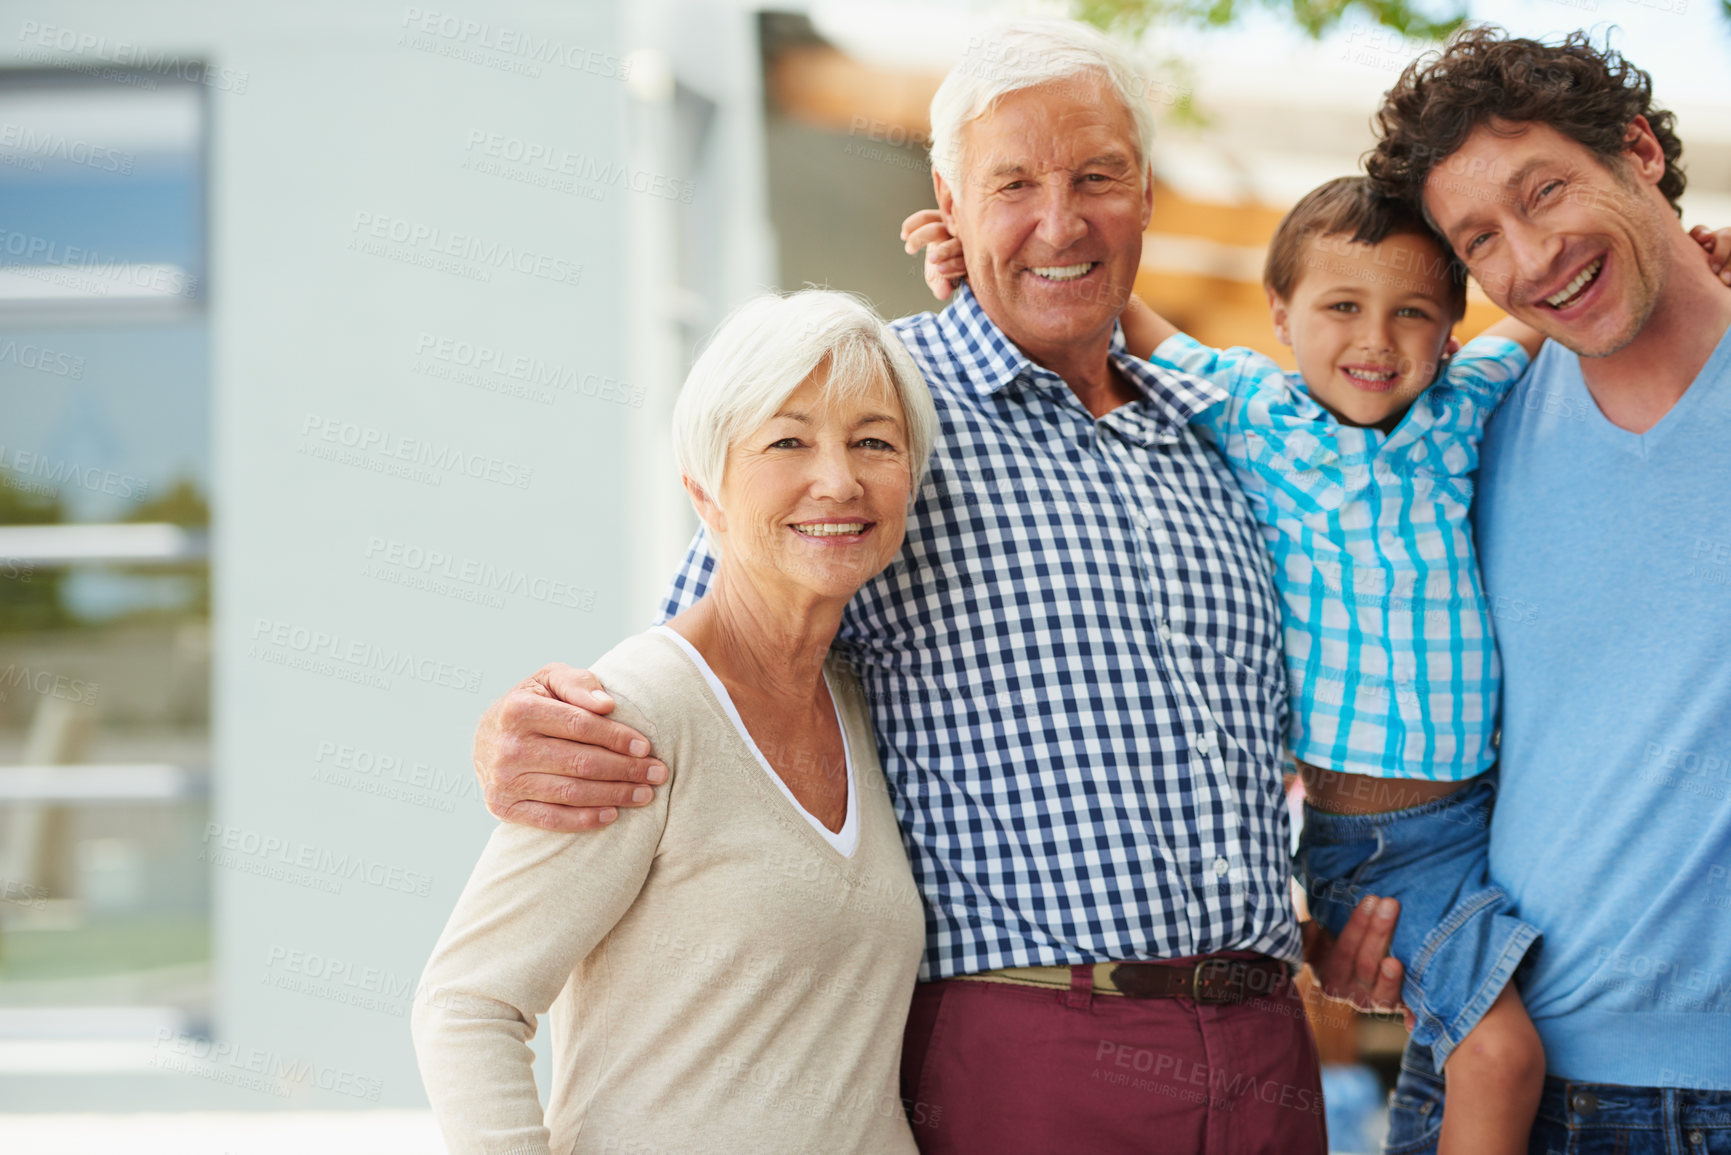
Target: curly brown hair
[(1588, 94)]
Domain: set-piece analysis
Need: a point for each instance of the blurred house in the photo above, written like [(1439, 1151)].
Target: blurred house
[(337, 347)]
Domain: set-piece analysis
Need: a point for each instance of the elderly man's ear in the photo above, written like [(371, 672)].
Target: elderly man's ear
[(707, 511), (946, 201)]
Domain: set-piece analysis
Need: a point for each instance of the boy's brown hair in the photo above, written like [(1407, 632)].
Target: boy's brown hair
[(1351, 209), (1588, 94)]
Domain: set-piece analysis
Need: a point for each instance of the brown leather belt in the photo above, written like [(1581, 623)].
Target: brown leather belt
[(1213, 979)]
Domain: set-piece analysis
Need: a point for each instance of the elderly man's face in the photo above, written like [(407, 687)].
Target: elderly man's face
[(1558, 240), (1051, 211)]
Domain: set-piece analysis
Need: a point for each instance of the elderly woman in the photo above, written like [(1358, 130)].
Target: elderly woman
[(730, 970)]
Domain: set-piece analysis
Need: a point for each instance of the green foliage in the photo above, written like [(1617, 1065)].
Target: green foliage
[(29, 595), (183, 504), (1134, 17)]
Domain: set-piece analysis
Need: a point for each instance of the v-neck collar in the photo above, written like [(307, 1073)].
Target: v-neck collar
[(844, 841), (1642, 445)]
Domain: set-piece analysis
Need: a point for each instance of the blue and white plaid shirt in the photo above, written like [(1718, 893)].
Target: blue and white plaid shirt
[(1075, 673), (1390, 652)]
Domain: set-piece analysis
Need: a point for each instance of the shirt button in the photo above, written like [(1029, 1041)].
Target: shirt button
[(1221, 866), (1140, 518), (1165, 632), (1205, 744)]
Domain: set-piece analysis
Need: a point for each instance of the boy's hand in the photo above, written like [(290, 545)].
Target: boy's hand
[(1717, 242), (1144, 329), (944, 267)]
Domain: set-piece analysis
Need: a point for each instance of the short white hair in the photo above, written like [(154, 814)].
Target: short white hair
[(1025, 54), (765, 350)]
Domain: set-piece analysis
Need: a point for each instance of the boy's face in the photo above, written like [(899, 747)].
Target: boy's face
[(1368, 324)]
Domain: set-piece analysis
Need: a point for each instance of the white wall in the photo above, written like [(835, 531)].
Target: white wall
[(352, 121)]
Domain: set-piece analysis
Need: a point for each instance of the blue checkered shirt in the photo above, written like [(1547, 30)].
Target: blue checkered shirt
[(1390, 653), (1074, 669)]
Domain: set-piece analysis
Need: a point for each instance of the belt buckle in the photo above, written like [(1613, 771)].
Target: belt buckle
[(1215, 981)]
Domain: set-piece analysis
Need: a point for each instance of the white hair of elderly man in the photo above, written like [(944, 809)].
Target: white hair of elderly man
[(1025, 54)]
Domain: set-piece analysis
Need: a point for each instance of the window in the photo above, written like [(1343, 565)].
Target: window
[(104, 584)]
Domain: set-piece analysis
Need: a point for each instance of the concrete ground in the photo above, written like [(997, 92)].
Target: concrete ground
[(224, 1133)]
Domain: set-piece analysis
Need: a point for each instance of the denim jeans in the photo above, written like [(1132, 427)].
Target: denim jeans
[(1574, 1118), (1588, 1118), (1458, 935)]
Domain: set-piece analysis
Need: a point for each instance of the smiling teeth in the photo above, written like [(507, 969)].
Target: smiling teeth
[(1363, 375), (832, 530), (1064, 272), (1582, 279)]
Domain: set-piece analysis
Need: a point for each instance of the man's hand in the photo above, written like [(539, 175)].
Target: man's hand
[(1717, 242), (944, 266), (1357, 967), (546, 756)]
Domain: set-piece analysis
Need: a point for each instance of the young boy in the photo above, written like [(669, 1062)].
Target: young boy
[(1359, 468)]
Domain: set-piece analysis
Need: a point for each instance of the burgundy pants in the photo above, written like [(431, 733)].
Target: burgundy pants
[(995, 1069)]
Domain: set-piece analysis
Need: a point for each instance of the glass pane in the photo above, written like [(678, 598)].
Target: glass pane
[(105, 683)]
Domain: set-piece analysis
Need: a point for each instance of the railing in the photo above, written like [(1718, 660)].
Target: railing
[(97, 544)]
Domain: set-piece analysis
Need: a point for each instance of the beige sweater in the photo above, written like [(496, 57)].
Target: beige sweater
[(720, 978)]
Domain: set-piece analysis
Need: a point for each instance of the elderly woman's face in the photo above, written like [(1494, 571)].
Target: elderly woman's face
[(816, 498)]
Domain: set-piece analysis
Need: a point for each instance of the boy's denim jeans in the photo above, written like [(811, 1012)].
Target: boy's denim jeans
[(1458, 935)]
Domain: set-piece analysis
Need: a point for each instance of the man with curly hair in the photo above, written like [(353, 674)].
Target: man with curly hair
[(1604, 532)]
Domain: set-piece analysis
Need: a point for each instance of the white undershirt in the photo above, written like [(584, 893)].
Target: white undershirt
[(844, 840)]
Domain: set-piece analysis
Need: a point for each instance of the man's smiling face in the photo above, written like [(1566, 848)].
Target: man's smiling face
[(1050, 213), (1556, 238)]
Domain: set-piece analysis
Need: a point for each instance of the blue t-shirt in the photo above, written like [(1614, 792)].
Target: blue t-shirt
[(1607, 559)]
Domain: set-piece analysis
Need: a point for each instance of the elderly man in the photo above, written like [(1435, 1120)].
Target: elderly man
[(1075, 674), (1604, 533)]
